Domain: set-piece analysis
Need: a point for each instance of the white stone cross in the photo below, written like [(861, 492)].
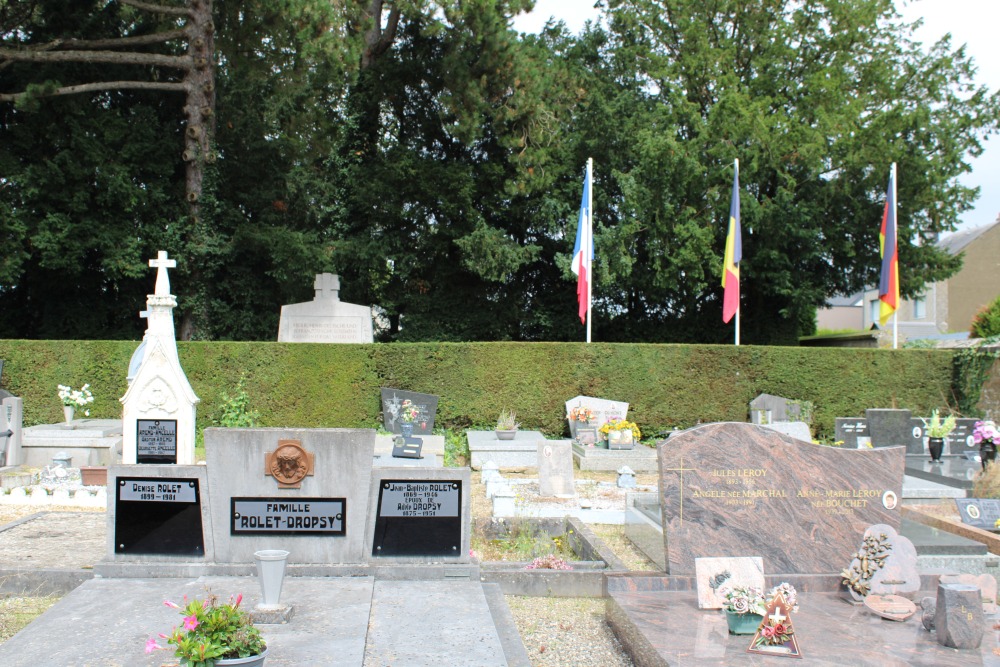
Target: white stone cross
[(161, 264), (327, 286), (777, 616)]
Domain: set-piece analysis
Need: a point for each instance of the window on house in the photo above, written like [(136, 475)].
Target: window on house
[(919, 307), (873, 310)]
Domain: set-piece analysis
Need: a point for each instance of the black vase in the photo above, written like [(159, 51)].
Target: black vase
[(936, 446), (987, 453), (406, 429)]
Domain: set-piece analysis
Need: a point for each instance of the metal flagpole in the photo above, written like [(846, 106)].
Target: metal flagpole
[(736, 163), (895, 236), (588, 252)]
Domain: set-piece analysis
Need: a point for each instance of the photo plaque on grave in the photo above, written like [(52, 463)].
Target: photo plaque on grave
[(287, 516), (156, 441), (407, 448), (979, 512), (418, 518), (158, 516)]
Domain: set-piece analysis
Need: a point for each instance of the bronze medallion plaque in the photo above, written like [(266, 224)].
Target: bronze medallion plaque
[(289, 464)]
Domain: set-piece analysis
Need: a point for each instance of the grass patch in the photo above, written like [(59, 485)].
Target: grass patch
[(18, 612), (519, 541)]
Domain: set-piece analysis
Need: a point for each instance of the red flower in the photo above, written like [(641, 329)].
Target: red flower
[(779, 629)]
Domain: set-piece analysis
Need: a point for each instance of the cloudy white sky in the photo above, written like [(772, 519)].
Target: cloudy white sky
[(970, 22)]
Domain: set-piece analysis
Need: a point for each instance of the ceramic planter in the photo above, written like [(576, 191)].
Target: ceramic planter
[(742, 624)]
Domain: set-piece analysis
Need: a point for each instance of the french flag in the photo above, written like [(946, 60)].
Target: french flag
[(583, 250)]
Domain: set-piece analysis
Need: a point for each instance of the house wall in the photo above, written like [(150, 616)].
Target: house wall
[(840, 317), (978, 283)]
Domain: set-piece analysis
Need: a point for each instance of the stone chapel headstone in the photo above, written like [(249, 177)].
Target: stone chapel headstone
[(732, 489), (158, 409), (325, 319)]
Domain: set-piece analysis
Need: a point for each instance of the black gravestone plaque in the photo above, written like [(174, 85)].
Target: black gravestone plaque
[(979, 512), (156, 440), (848, 429), (392, 401), (158, 515), (418, 518), (407, 448), (287, 516)]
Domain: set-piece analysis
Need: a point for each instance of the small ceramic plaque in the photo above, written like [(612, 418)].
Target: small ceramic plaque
[(713, 574), (892, 607), (776, 636)]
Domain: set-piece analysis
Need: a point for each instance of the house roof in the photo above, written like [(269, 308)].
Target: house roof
[(856, 299), (958, 241)]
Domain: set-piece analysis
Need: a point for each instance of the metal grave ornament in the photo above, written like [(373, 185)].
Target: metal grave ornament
[(289, 464), (775, 635)]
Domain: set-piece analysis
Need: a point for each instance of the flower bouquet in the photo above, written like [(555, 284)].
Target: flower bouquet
[(986, 435), (212, 632), (408, 412), (620, 434), (581, 414)]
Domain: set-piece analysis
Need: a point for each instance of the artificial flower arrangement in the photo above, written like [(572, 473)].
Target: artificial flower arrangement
[(621, 425), (940, 428), (581, 414), (985, 432), (774, 633), (211, 631), (751, 600), (408, 412), (76, 398)]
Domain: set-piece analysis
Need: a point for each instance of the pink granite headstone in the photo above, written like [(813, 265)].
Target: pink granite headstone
[(736, 489)]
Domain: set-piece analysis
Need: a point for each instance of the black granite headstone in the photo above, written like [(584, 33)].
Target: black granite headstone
[(418, 518), (848, 429), (893, 428), (392, 400), (158, 516), (156, 440)]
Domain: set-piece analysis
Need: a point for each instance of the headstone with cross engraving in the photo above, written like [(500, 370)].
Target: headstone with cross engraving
[(158, 413), (325, 319), (731, 489)]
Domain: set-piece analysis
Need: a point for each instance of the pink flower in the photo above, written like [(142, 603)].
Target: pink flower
[(151, 645), (168, 603), (767, 631), (190, 622), (239, 599)]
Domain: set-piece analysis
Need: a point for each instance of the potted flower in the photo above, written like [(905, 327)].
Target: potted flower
[(408, 413), (73, 399), (985, 435), (620, 434), (579, 416), (937, 431), (507, 425), (744, 607), (214, 634)]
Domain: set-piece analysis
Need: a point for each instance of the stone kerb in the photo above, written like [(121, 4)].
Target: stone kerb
[(343, 458), (735, 489)]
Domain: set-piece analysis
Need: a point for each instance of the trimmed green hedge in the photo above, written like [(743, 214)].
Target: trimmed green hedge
[(317, 385)]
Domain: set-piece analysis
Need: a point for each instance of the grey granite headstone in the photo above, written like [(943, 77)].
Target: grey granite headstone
[(730, 489), (958, 441), (797, 430), (555, 469), (325, 319), (392, 400), (849, 429), (959, 620), (603, 409), (767, 409), (893, 428), (979, 512)]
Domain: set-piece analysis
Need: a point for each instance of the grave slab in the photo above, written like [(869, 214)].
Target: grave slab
[(90, 442), (521, 452), (808, 504), (640, 458)]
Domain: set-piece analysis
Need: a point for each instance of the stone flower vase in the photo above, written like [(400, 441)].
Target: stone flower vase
[(271, 572), (506, 434), (935, 446), (742, 624), (68, 411), (987, 453)]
